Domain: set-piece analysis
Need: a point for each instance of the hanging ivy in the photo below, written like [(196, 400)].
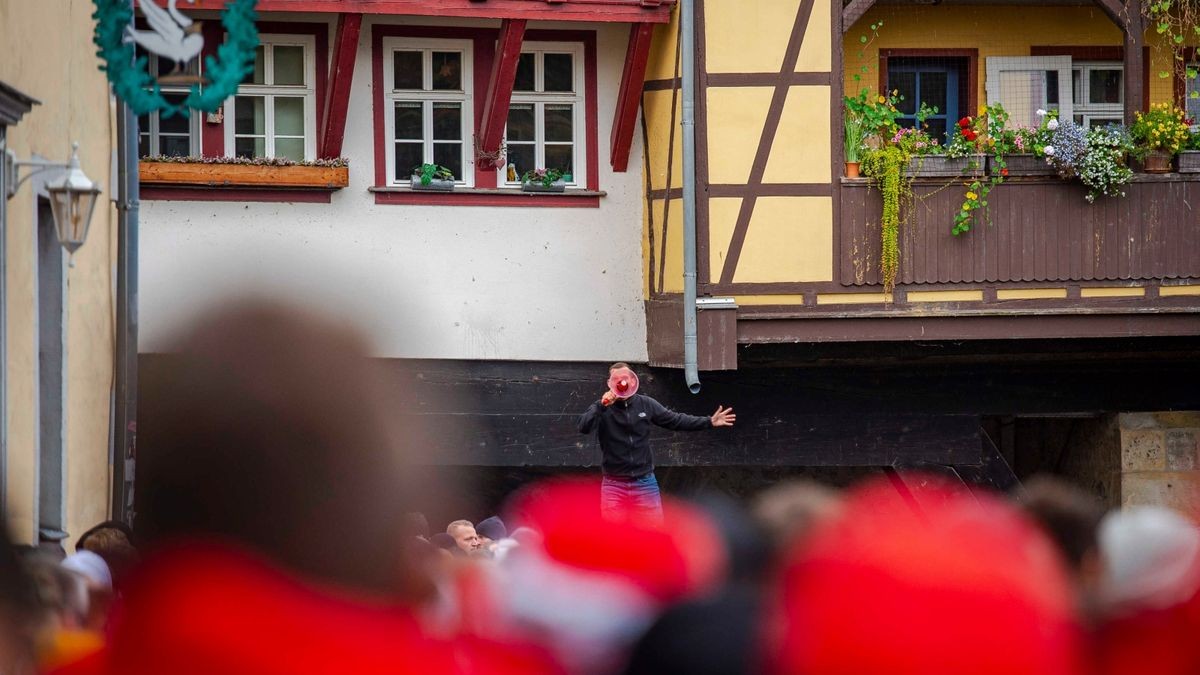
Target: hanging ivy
[(130, 77), (886, 166)]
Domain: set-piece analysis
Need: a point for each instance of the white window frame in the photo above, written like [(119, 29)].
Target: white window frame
[(578, 99), (427, 96), (995, 65), (1089, 111), (154, 61), (269, 91)]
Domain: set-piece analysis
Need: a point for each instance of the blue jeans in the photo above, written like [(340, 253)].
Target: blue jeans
[(634, 494)]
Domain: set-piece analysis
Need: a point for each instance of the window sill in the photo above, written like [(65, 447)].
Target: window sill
[(181, 174), (572, 198)]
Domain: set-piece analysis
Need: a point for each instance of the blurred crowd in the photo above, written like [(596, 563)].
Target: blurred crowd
[(277, 533)]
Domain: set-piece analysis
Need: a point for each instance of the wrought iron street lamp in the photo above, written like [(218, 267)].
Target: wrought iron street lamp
[(73, 196)]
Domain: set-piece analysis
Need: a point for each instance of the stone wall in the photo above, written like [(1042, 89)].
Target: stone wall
[(1160, 460)]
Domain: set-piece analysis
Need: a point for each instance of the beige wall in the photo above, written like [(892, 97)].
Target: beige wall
[(47, 53)]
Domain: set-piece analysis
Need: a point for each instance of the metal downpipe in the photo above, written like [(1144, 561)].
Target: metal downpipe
[(687, 18)]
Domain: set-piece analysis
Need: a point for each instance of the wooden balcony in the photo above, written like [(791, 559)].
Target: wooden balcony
[(1040, 230)]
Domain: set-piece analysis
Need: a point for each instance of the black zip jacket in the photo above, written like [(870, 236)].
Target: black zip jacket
[(623, 430)]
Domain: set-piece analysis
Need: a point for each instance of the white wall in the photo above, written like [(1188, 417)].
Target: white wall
[(427, 282)]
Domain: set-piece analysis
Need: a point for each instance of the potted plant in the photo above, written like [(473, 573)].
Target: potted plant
[(1096, 157), (244, 172), (1189, 158), (1026, 148), (962, 157), (855, 136), (432, 178), (544, 180), (1158, 135)]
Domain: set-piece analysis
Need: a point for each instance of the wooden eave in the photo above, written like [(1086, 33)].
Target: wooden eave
[(14, 104), (621, 11)]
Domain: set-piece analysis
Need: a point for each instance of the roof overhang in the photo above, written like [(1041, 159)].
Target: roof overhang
[(622, 11), (14, 104)]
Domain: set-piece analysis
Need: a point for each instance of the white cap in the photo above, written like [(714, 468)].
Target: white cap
[(91, 566), (1151, 557)]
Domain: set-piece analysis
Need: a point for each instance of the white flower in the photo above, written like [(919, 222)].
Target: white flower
[(1052, 125), (1049, 150), (1041, 113)]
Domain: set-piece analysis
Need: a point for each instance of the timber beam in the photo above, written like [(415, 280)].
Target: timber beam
[(341, 77), (500, 87), (630, 94)]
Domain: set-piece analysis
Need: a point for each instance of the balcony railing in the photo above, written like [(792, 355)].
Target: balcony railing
[(1036, 230)]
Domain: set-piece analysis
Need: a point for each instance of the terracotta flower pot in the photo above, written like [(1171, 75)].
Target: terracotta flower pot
[(1158, 162), (852, 169)]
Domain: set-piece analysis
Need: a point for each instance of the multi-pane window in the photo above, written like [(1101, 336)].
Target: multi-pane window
[(177, 135), (1097, 90), (934, 83), (546, 116), (428, 108), (274, 111), (1191, 89)]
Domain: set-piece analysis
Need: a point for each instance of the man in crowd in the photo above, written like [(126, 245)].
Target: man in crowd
[(465, 537), (622, 419)]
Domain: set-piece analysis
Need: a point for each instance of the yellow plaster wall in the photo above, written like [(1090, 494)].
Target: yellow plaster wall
[(735, 122), (662, 64), (803, 146), (1031, 293), (1113, 292), (673, 271), (658, 126), (789, 239), (48, 54), (1171, 291), (945, 296)]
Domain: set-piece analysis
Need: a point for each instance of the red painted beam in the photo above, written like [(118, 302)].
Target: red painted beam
[(629, 97), (341, 76), (624, 11), (500, 87)]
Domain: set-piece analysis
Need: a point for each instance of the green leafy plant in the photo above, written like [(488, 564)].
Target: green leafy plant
[(855, 134), (545, 177), (1103, 169), (131, 79), (1176, 22), (986, 132), (886, 166), (431, 172), (1163, 128)]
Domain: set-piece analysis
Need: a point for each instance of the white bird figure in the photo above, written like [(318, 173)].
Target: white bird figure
[(172, 34)]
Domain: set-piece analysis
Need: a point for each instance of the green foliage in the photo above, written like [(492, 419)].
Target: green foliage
[(887, 167), (430, 172), (1163, 128), (131, 78), (1175, 21), (987, 132), (546, 177)]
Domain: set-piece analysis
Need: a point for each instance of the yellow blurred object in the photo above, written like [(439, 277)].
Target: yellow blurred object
[(66, 646)]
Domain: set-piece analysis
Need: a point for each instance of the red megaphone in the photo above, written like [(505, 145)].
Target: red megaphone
[(623, 383)]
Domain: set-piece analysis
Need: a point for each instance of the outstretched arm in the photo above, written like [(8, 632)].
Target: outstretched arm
[(676, 421)]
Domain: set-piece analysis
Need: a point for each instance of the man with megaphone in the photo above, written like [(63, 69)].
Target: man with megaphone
[(622, 420)]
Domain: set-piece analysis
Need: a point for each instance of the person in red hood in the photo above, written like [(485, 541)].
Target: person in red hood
[(271, 502), (957, 584)]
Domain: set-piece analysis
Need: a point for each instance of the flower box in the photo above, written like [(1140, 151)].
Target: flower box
[(943, 166), (243, 175), (1189, 161), (556, 186), (1022, 165), (435, 185)]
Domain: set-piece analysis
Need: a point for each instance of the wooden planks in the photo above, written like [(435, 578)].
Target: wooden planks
[(1039, 230)]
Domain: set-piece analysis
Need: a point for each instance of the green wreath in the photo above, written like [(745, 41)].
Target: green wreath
[(131, 79)]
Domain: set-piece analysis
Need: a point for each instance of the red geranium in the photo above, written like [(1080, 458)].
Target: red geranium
[(1004, 172), (964, 122), (969, 135)]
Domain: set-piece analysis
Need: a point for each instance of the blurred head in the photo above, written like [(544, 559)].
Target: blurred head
[(788, 511), (111, 541), (465, 537), (956, 583), (491, 529), (61, 595), (280, 439), (416, 525), (1071, 518), (1151, 559), (99, 584)]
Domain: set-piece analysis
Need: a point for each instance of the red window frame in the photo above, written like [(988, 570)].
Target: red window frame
[(486, 192)]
